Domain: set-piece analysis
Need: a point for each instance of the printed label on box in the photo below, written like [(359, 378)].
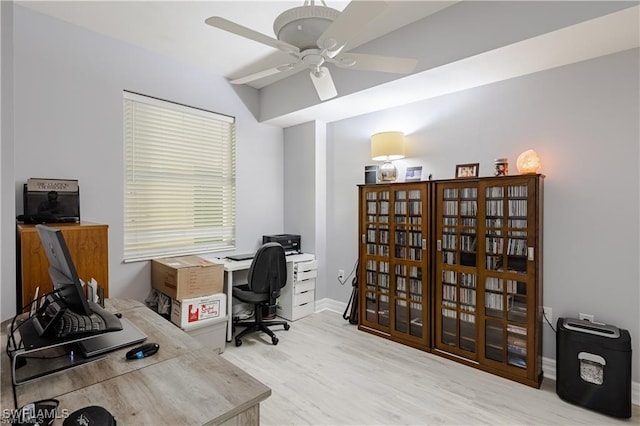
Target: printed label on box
[(202, 311), (198, 310)]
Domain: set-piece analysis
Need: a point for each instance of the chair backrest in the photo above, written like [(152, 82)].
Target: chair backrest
[(268, 271)]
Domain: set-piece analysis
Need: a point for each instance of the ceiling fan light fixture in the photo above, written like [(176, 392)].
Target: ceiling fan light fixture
[(302, 26)]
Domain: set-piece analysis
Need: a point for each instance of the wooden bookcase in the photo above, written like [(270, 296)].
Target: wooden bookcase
[(482, 264), (89, 248), (394, 292)]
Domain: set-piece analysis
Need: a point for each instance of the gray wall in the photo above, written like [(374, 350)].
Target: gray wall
[(299, 183), (582, 119), (68, 124), (305, 187), (7, 203)]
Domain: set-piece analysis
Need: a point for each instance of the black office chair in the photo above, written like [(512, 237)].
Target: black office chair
[(267, 275)]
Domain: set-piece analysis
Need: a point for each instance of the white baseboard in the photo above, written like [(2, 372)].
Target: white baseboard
[(327, 304), (548, 364), (549, 368)]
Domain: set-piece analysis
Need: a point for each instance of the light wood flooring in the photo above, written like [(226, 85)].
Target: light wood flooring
[(326, 372)]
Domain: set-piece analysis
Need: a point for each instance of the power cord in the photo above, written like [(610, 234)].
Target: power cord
[(11, 339), (343, 282), (547, 320)]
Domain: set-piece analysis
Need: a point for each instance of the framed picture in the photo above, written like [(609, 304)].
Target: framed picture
[(414, 173), (370, 173), (467, 170)]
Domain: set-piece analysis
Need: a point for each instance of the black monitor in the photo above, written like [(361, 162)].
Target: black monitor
[(62, 270)]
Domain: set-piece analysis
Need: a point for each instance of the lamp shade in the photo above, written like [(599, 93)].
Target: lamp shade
[(387, 146)]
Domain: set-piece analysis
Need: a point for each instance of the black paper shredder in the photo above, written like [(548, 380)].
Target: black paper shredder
[(593, 366)]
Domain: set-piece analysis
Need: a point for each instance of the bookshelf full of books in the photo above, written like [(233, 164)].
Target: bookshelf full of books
[(394, 296), (511, 276), (454, 267), (488, 274)]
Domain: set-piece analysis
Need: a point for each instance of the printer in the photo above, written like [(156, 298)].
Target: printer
[(290, 242)]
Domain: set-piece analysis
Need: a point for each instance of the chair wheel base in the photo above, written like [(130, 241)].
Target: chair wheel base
[(274, 340), (238, 342), (287, 327)]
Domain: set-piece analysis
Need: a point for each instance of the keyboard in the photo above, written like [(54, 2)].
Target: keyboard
[(72, 324)]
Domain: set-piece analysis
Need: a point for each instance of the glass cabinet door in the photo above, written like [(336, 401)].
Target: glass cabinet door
[(375, 252), (456, 273), (508, 300), (409, 256)]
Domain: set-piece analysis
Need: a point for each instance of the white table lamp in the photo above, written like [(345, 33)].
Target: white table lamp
[(387, 146)]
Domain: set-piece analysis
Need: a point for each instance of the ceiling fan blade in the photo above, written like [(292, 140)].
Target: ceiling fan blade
[(323, 83), (266, 73), (351, 20), (366, 62), (232, 27)]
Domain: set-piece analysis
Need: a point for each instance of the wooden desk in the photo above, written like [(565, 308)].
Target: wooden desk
[(184, 383)]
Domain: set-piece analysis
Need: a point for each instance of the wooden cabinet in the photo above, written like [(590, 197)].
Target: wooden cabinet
[(394, 290), (488, 277), (483, 264), (89, 248)]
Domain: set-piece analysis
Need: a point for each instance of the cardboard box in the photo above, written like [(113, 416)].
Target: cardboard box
[(189, 312), (212, 333), (186, 277)]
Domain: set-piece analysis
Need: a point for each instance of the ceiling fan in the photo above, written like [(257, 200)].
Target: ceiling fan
[(314, 36)]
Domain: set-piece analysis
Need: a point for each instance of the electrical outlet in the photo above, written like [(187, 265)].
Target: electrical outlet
[(341, 274), (548, 313), (587, 317)]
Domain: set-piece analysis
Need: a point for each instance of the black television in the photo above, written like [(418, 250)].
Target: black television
[(62, 270)]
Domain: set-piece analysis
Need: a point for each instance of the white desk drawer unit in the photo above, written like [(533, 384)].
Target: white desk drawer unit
[(297, 298)]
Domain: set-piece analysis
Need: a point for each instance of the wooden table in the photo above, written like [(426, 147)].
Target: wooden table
[(184, 383)]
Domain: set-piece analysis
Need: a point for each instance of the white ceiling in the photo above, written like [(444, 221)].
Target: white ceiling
[(177, 29)]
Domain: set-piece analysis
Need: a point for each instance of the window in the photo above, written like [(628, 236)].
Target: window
[(180, 184)]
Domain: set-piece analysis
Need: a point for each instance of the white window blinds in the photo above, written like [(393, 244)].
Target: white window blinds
[(180, 185)]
